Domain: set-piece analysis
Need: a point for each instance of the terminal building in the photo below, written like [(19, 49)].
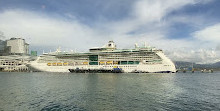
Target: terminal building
[(17, 46), (14, 55), (14, 63), (3, 48)]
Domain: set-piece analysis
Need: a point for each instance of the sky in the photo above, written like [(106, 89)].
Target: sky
[(186, 30)]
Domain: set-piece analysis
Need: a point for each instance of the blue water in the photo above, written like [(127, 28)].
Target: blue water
[(114, 92)]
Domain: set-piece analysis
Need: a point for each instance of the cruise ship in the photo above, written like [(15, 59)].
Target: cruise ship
[(145, 59)]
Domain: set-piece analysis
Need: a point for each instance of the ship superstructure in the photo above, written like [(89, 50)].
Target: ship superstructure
[(139, 59), (50, 62)]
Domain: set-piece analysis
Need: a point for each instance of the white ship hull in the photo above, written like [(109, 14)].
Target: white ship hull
[(166, 66), (140, 59), (43, 67), (126, 68)]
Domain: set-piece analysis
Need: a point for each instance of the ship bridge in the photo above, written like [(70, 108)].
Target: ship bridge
[(110, 46)]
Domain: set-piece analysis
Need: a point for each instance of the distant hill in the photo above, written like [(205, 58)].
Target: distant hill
[(188, 65), (217, 64)]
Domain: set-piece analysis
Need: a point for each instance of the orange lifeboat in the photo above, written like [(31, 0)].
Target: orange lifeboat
[(65, 63), (109, 62), (49, 64), (102, 63), (85, 63), (54, 64), (59, 64), (115, 62)]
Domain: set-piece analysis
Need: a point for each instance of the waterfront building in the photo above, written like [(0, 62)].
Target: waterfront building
[(14, 63), (14, 55), (17, 46)]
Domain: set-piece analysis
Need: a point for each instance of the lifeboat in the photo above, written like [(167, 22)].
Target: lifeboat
[(59, 64), (85, 63), (102, 63), (49, 64), (54, 64), (109, 62), (65, 63), (115, 62)]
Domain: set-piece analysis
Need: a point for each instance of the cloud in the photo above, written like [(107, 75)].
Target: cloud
[(202, 56), (150, 16), (218, 47), (155, 10), (210, 33), (2, 35), (145, 23), (40, 29)]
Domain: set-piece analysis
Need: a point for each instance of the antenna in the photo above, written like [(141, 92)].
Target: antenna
[(58, 49), (136, 45)]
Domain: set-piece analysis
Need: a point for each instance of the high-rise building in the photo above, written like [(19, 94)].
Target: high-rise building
[(2, 46), (17, 46)]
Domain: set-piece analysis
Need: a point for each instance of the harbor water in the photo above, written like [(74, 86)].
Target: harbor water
[(42, 91)]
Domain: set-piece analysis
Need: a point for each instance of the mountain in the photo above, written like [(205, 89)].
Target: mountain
[(189, 65)]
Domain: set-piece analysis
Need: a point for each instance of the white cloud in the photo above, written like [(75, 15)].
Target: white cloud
[(39, 29), (145, 21), (2, 35), (155, 10), (218, 47), (211, 33), (148, 16), (202, 56)]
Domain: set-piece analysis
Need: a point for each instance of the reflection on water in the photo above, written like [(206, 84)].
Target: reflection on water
[(68, 91)]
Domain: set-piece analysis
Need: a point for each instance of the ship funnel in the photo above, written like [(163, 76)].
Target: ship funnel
[(111, 45), (107, 47)]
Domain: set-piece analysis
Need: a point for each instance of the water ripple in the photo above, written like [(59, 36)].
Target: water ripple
[(61, 107), (115, 92)]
